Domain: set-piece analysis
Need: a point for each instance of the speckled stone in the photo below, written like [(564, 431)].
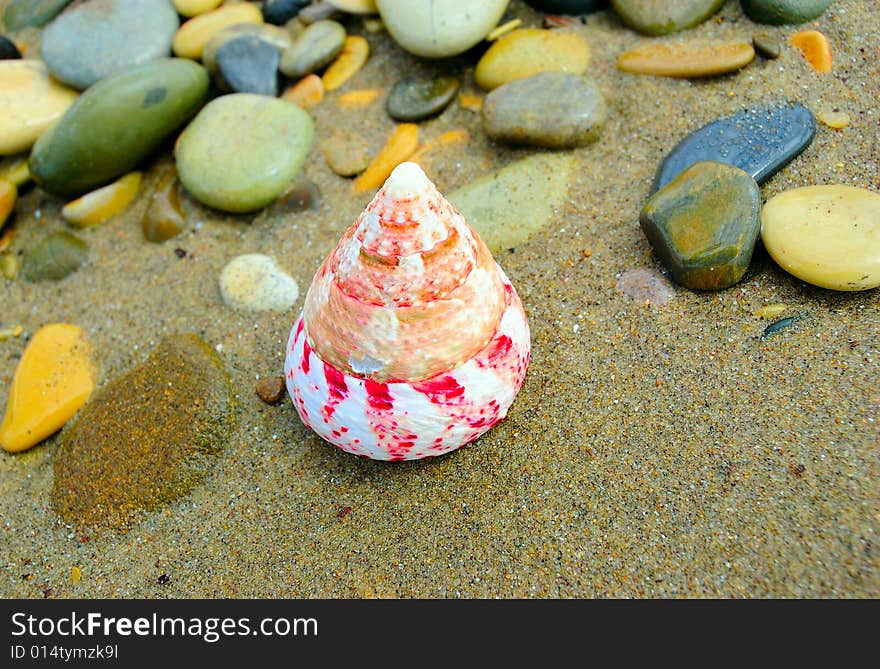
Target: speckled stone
[(279, 12), (101, 37), (247, 64), (703, 225), (653, 17), (519, 113), (116, 124), (759, 141), (31, 13), (146, 438), (316, 47), (254, 282), (415, 99), (8, 50), (779, 12), (243, 150), (568, 6)]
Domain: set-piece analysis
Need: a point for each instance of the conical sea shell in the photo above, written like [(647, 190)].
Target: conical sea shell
[(412, 341)]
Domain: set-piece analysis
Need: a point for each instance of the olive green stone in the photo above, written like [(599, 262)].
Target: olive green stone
[(779, 12), (116, 124), (54, 257), (243, 150), (509, 206), (146, 438), (703, 225), (766, 45), (316, 47), (30, 13), (661, 17), (414, 99)]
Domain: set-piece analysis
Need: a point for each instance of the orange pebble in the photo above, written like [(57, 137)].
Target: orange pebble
[(8, 196), (307, 92), (400, 146), (472, 103), (354, 54), (815, 47), (359, 98), (447, 138)]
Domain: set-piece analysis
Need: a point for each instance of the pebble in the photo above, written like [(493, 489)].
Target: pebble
[(415, 99), (116, 124), (779, 12), (247, 64), (253, 282), (15, 169), (768, 311), (828, 236), (503, 29), (355, 6), (31, 13), (355, 51), (760, 141), (163, 218), (509, 206), (9, 266), (661, 18), (307, 92), (280, 38), (440, 29), (53, 379), (317, 46), (528, 51), (518, 113), (191, 38), (703, 225), (8, 50), (319, 10), (243, 150), (30, 101), (688, 60), (8, 197), (833, 117), (279, 12), (302, 195), (568, 6), (146, 438), (345, 153), (646, 286), (358, 98), (190, 8), (766, 45), (101, 37), (102, 204), (54, 257), (271, 389), (399, 147), (815, 49)]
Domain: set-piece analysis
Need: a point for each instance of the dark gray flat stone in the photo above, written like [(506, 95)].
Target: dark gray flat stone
[(247, 64)]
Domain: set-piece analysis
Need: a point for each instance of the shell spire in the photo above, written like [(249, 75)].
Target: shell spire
[(412, 341)]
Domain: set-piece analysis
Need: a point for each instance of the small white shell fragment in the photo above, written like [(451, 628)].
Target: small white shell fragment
[(253, 282)]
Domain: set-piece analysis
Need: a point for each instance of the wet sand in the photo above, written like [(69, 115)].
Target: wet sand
[(653, 451)]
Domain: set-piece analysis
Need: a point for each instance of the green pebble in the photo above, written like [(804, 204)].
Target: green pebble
[(661, 18), (414, 99), (766, 45), (316, 47), (780, 12), (703, 225), (116, 124), (31, 13), (243, 150), (54, 257)]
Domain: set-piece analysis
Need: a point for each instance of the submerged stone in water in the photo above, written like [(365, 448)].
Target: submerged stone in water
[(146, 438)]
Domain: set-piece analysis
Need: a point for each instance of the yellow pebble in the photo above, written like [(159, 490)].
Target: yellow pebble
[(52, 381), (373, 25), (15, 169), (503, 29), (833, 118), (352, 58), (76, 575), (8, 196), (472, 103), (190, 8), (359, 98), (355, 6), (400, 146), (307, 92), (104, 203), (768, 311), (192, 36), (527, 51), (9, 265)]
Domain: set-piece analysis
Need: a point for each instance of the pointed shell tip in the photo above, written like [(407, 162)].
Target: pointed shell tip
[(406, 181)]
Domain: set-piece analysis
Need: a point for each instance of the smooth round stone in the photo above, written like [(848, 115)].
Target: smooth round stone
[(192, 37), (316, 47), (280, 38), (247, 64), (759, 141), (30, 101), (253, 282), (190, 8), (116, 124), (687, 60), (704, 224), (279, 12), (31, 13), (101, 37), (54, 257), (8, 50), (825, 235), (528, 51), (653, 17), (414, 99), (242, 151), (146, 438), (519, 113), (568, 6), (345, 152), (779, 12), (439, 29)]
